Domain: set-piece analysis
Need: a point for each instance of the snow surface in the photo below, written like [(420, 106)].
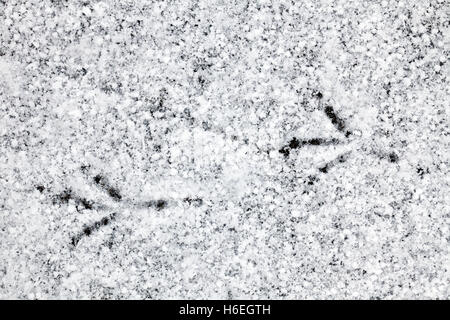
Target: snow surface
[(222, 149)]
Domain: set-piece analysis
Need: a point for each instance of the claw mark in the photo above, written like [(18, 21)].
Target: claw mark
[(197, 202), (340, 159), (67, 195), (89, 229), (336, 121), (112, 192), (295, 144), (157, 204)]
